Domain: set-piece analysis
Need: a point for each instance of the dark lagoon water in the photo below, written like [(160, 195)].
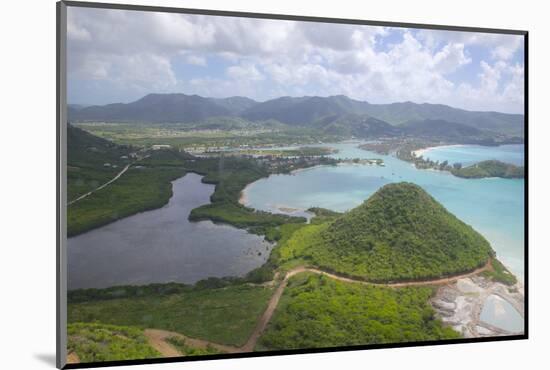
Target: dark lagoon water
[(163, 246), (493, 206)]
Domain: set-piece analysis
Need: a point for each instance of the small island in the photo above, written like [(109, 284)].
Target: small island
[(491, 168)]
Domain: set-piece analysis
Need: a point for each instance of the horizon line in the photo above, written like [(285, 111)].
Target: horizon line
[(86, 105)]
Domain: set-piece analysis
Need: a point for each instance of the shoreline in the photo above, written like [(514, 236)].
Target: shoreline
[(243, 199), (422, 151), (461, 303)]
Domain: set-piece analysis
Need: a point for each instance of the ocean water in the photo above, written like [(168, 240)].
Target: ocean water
[(470, 154), (493, 206)]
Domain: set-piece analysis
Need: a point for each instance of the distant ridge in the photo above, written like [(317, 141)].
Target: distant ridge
[(294, 111)]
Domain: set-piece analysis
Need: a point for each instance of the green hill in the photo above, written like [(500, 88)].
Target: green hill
[(87, 155), (399, 233), (491, 168), (87, 150)]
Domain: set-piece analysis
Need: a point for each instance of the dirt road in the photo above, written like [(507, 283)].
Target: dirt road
[(158, 340), (161, 335), (101, 186)]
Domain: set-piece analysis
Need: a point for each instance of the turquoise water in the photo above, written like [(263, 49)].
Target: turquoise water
[(470, 154), (498, 312), (493, 206)]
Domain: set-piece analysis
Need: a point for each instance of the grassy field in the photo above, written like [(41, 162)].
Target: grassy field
[(317, 312), (99, 342), (225, 316), (198, 135)]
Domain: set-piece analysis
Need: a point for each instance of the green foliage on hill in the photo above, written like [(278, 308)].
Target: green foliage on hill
[(226, 315), (316, 312), (399, 233), (145, 185), (86, 156), (323, 215), (491, 168), (138, 190), (99, 342), (500, 273), (81, 180), (86, 149)]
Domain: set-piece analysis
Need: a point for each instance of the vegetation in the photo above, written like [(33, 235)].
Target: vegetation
[(147, 185), (491, 168), (138, 190), (306, 151), (399, 233), (226, 315), (323, 215), (86, 158), (317, 312), (205, 135), (81, 180), (388, 146), (92, 160), (500, 273), (408, 155), (186, 350), (231, 175), (99, 342), (127, 291)]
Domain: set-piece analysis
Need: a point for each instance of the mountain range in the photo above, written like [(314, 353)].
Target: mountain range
[(336, 114)]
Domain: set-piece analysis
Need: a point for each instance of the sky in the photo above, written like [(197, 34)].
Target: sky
[(121, 55)]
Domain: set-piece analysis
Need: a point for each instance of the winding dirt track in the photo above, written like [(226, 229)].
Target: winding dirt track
[(157, 338), (72, 358), (101, 186)]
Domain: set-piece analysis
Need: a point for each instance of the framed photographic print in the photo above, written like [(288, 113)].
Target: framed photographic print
[(236, 184)]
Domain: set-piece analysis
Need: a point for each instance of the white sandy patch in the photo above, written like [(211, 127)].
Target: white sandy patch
[(468, 286)]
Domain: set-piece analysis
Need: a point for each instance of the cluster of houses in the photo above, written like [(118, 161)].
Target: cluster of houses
[(133, 156)]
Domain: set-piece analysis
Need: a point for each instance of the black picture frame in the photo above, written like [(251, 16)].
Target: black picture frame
[(61, 126)]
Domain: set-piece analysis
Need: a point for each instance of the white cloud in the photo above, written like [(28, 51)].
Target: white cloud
[(490, 94), (450, 58), (502, 46), (507, 47), (247, 72), (77, 33), (268, 58)]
